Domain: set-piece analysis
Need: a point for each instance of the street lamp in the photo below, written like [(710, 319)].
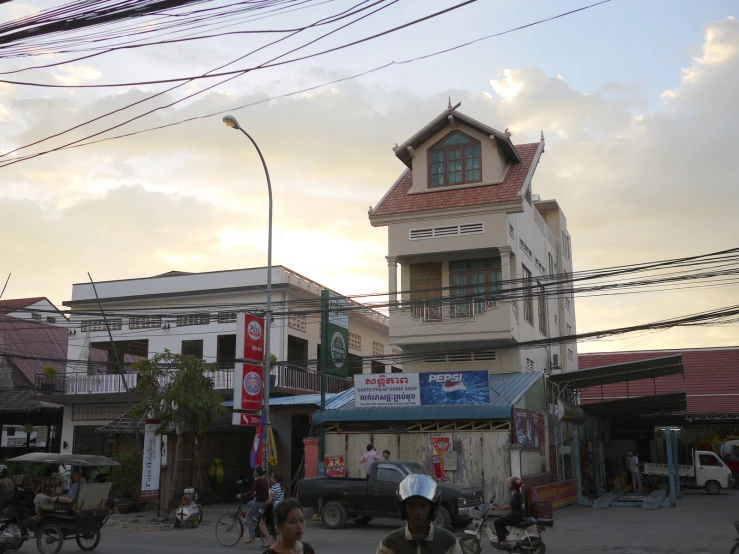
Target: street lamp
[(231, 121)]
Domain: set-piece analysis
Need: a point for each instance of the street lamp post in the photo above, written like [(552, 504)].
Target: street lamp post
[(231, 121)]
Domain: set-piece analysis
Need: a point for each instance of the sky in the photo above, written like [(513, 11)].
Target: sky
[(636, 101)]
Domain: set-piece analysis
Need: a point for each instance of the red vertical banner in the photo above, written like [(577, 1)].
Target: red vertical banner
[(439, 445), (253, 375)]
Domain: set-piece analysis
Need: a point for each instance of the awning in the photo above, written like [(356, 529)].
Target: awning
[(637, 407), (619, 373), (506, 389)]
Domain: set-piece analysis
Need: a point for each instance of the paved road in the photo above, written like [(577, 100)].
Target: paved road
[(700, 524)]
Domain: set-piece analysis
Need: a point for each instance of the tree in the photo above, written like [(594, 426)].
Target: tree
[(177, 390)]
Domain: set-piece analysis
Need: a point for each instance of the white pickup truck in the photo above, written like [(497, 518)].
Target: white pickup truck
[(707, 471)]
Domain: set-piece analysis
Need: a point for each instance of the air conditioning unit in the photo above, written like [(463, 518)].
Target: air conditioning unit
[(555, 361)]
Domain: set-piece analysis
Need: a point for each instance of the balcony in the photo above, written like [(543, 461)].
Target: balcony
[(450, 321), (285, 378), (111, 383)]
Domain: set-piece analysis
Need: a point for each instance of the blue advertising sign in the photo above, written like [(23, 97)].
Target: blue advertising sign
[(454, 387)]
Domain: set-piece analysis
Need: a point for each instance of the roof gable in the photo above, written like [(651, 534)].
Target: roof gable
[(13, 304), (30, 346), (445, 119)]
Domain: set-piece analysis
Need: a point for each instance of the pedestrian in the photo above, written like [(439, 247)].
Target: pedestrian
[(627, 465), (260, 491), (369, 458), (418, 496), (276, 495), (6, 486), (290, 521), (635, 473), (385, 455), (517, 508)]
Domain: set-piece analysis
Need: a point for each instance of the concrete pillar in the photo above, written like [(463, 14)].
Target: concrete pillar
[(392, 275), (505, 265), (516, 461), (575, 453), (311, 457), (676, 461), (671, 465)]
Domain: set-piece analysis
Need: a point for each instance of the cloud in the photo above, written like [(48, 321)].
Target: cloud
[(637, 183), (77, 74)]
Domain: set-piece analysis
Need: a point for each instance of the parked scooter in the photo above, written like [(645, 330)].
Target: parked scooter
[(735, 549), (190, 512), (523, 537)]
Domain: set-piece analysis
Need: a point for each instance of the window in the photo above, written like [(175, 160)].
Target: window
[(528, 299), (426, 288), (474, 280), (296, 321), (529, 364), (707, 460), (455, 161), (570, 354), (355, 341), (735, 452), (377, 367), (50, 319), (193, 319), (542, 310), (551, 264), (378, 349), (565, 245), (447, 231), (525, 248), (35, 315), (226, 317), (194, 348), (556, 319), (99, 325), (568, 329), (511, 230), (226, 351), (10, 431), (144, 322), (397, 355), (389, 475)]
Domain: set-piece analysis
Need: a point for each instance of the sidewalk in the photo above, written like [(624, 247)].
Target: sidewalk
[(148, 521)]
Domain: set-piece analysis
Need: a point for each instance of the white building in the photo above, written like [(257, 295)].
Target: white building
[(38, 309), (480, 254), (195, 313)]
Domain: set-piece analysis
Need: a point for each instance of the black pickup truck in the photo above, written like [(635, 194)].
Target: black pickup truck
[(339, 499)]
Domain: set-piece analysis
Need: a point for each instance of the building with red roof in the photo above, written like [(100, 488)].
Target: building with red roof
[(480, 254)]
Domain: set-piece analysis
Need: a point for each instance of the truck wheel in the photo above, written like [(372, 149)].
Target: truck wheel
[(334, 515), (712, 487), (443, 519)]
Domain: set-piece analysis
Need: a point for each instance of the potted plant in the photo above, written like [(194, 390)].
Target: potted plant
[(49, 373), (126, 480)]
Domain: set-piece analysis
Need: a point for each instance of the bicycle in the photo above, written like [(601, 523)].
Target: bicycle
[(230, 526)]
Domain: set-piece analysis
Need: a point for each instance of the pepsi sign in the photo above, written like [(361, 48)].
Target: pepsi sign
[(459, 387)]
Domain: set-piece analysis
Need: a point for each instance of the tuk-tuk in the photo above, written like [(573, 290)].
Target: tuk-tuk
[(82, 518)]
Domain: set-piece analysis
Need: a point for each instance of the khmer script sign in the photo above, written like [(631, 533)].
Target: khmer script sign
[(383, 390)]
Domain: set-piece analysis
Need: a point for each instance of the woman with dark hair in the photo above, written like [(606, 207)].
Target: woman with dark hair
[(290, 521), (276, 495)]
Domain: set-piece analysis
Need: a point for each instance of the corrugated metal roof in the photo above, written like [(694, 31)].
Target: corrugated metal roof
[(505, 390), (710, 378), (23, 339)]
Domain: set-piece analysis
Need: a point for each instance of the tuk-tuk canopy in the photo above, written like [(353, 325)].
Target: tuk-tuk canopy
[(78, 460)]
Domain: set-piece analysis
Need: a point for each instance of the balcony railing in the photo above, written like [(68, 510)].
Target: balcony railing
[(284, 376), (296, 378), (82, 383), (449, 310)]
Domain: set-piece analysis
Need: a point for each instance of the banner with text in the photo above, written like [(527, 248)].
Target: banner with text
[(421, 389), (249, 380), (334, 333), (528, 430), (152, 462)]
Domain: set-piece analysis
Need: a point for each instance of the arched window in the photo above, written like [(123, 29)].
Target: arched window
[(454, 161)]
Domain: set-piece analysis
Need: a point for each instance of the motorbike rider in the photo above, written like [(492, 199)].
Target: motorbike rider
[(517, 508), (419, 501), (6, 485)]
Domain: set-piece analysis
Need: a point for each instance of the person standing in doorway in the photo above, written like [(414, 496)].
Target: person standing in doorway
[(386, 455), (627, 467), (635, 473), (369, 458)]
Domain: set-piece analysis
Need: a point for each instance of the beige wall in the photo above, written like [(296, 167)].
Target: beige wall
[(508, 360), (494, 165), (483, 457)]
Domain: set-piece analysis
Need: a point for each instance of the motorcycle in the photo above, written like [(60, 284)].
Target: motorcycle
[(190, 512), (524, 537), (735, 549)]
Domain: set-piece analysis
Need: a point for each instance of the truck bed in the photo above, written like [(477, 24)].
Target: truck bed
[(661, 469)]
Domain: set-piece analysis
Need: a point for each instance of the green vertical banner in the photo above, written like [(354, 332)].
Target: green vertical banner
[(334, 334)]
